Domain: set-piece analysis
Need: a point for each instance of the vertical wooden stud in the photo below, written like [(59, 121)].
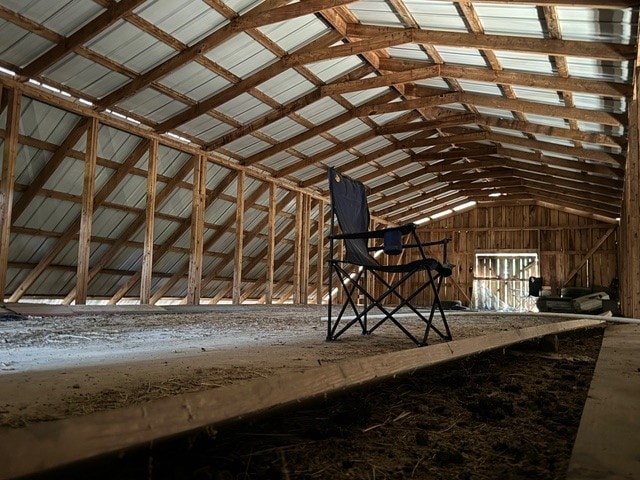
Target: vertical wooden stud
[(237, 256), (194, 281), (10, 152), (271, 243), (306, 249), (320, 256), (297, 249), (88, 186), (147, 253)]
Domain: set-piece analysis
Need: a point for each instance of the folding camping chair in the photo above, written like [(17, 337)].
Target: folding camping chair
[(349, 205)]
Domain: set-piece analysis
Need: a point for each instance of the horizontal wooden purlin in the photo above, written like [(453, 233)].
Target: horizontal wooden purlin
[(405, 214), (445, 140), (312, 132), (612, 194), (588, 154), (541, 183), (569, 201), (353, 48), (385, 80), (446, 121), (415, 196), (537, 129), (468, 153), (554, 174), (409, 190), (526, 106), (575, 165), (457, 167), (423, 102), (572, 48), (600, 4), (508, 77)]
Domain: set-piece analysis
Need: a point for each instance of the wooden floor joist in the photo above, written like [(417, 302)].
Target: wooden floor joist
[(43, 446)]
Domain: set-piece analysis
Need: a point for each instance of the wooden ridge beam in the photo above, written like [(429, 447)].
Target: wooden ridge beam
[(457, 154), (440, 122), (597, 50)]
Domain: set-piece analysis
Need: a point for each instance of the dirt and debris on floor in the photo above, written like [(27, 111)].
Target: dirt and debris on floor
[(510, 414), (53, 367)]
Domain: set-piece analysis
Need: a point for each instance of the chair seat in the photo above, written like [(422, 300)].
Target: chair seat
[(445, 269)]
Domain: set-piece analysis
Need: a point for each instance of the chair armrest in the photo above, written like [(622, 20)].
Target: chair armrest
[(403, 229)]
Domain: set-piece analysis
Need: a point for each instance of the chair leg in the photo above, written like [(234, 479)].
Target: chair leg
[(350, 285)]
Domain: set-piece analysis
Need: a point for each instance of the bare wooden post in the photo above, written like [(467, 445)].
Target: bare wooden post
[(88, 186), (630, 219), (320, 257), (147, 253), (8, 182), (306, 249), (271, 243), (298, 250), (194, 280), (237, 257)]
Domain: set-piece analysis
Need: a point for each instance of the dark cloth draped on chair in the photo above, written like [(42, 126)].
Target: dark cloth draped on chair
[(349, 206)]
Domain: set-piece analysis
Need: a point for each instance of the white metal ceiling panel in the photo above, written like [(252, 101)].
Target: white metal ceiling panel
[(461, 56), (518, 20), (436, 15), (409, 51), (63, 17), (241, 55), (84, 75), (244, 108), (152, 104), (350, 129), (329, 70), (131, 47), (186, 20), (321, 111), (286, 86), (376, 12), (247, 146), (283, 129), (18, 46), (609, 71), (598, 25), (195, 81), (550, 97), (525, 62), (296, 32)]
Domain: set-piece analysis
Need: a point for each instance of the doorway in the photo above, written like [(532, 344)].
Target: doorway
[(501, 281)]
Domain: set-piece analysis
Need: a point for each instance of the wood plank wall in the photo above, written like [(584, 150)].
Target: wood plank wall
[(563, 241)]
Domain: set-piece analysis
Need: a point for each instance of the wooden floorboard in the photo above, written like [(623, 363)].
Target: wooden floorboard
[(43, 446), (608, 442)]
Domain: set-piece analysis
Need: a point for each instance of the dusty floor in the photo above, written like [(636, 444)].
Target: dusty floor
[(508, 414), (55, 367)]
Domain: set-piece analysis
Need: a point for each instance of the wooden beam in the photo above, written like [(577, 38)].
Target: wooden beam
[(440, 122), (572, 48), (298, 249), (494, 101), (385, 80), (239, 247), (86, 219), (322, 237), (459, 154), (508, 77), (146, 276), (256, 17), (422, 102), (194, 279), (85, 33), (462, 138), (8, 180), (242, 86), (271, 243), (588, 255)]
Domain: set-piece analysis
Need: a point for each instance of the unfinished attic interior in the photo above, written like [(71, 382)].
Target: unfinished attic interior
[(159, 155)]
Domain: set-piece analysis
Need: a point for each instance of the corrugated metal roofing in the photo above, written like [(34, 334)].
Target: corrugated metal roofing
[(258, 98)]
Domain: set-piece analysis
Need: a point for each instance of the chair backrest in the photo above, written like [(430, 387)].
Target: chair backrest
[(349, 204)]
